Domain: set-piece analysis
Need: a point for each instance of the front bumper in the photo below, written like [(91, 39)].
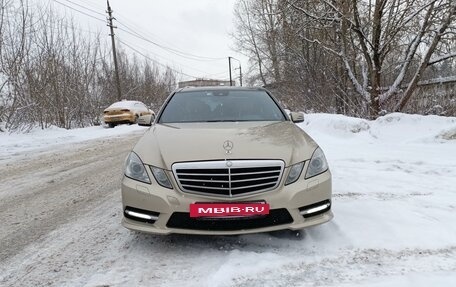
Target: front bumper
[(170, 208)]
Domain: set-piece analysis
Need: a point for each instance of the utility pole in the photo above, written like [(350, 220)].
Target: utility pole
[(240, 70), (229, 67), (114, 53), (240, 74)]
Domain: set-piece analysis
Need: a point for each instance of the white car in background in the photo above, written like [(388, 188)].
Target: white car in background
[(125, 112), (146, 120)]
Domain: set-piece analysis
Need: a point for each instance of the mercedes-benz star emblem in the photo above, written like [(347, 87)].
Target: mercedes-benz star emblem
[(228, 146)]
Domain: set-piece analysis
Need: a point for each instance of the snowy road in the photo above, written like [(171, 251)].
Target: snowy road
[(43, 192), (394, 225)]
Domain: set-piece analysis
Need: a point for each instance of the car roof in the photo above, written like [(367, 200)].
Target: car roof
[(125, 103), (219, 88), (128, 102)]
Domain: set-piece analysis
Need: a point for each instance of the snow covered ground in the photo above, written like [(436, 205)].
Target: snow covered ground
[(13, 145), (394, 200)]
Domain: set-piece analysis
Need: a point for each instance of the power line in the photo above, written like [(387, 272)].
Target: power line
[(139, 28), (76, 28), (139, 36), (205, 75), (169, 49), (65, 24), (72, 8), (93, 5), (166, 48), (155, 61), (175, 50), (169, 60), (84, 7)]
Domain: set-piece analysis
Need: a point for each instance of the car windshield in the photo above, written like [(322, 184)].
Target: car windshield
[(221, 106)]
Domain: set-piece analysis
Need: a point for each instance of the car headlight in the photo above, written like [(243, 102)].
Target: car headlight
[(134, 168), (295, 172), (161, 177), (317, 164)]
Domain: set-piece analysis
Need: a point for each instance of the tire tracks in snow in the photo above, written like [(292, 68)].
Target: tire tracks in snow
[(42, 193), (354, 266)]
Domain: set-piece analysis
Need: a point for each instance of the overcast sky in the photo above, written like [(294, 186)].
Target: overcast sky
[(194, 27)]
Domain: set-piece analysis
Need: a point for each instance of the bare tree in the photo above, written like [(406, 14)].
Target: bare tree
[(370, 34), (358, 57), (301, 73), (16, 23), (52, 74), (258, 35)]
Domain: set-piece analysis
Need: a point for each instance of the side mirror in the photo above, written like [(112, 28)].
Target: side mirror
[(297, 117)]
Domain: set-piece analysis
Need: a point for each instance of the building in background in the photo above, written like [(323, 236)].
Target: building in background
[(204, 83)]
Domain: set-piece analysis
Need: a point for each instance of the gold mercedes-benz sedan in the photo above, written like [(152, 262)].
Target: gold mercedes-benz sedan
[(225, 160)]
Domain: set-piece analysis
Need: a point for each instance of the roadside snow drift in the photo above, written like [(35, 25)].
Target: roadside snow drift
[(19, 144), (394, 200)]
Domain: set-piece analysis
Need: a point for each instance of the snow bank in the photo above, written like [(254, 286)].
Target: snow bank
[(411, 128), (390, 128), (335, 125), (448, 134), (17, 144)]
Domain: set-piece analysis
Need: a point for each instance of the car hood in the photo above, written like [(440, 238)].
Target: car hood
[(164, 144)]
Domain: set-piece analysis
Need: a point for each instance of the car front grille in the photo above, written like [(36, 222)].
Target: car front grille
[(227, 178)]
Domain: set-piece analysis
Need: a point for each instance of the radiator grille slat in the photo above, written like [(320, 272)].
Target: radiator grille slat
[(233, 181), (228, 178)]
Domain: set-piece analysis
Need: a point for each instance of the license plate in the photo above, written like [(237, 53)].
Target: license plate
[(218, 210)]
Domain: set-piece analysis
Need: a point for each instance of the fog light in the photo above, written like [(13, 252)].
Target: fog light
[(141, 215), (315, 209)]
